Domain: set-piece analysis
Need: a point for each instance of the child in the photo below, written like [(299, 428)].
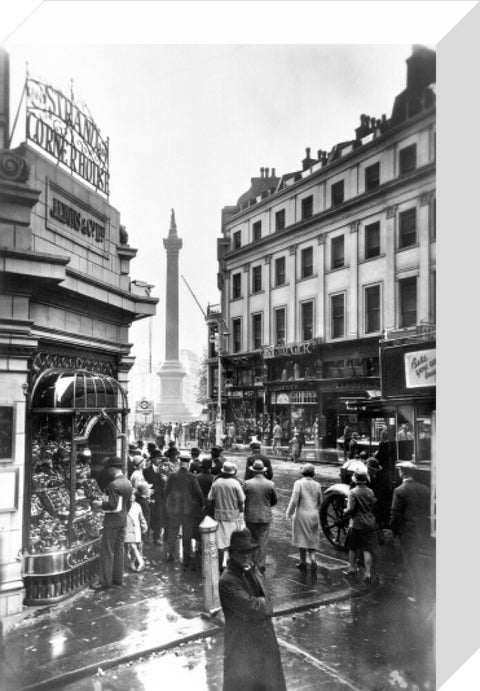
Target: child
[(136, 526), (142, 497)]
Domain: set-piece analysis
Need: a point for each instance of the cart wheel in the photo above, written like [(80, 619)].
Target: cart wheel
[(331, 510)]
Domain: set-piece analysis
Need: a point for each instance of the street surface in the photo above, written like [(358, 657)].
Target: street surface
[(334, 634)]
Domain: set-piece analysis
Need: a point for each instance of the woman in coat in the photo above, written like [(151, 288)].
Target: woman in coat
[(304, 506)]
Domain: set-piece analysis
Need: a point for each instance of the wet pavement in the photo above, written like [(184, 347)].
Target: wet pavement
[(156, 610)]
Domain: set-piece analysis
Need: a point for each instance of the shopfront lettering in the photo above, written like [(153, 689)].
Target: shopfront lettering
[(420, 368), (71, 217), (57, 125), (302, 348)]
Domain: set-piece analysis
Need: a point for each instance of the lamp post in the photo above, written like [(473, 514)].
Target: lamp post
[(219, 347)]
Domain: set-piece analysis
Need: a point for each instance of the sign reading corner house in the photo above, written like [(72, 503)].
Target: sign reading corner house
[(64, 128), (420, 368), (68, 216)]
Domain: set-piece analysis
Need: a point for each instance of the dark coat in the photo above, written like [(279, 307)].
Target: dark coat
[(410, 512), (258, 457), (251, 658), (183, 494)]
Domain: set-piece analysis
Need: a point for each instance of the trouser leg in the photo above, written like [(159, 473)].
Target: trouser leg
[(106, 556), (174, 523), (187, 535), (118, 556), (260, 533)]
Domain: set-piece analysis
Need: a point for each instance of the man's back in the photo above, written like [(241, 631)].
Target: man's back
[(411, 509), (183, 493), (260, 497), (258, 457)]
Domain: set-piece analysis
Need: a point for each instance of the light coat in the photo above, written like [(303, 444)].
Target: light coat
[(304, 506)]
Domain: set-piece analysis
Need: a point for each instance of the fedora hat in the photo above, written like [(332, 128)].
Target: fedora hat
[(258, 466), (115, 462), (137, 461), (407, 465), (373, 464), (255, 445), (241, 541), (360, 476), (216, 450), (229, 468)]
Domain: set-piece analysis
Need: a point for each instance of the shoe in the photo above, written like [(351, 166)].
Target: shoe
[(349, 573), (99, 586), (301, 566)]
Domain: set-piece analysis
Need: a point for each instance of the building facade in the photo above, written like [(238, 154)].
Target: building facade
[(315, 266), (67, 302)]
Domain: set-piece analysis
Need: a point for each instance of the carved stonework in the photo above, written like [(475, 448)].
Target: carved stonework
[(246, 268), (268, 258), (13, 166), (43, 361), (123, 236), (293, 250), (354, 226), (391, 211), (426, 197), (321, 239)]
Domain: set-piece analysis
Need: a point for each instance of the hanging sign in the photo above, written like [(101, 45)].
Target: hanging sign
[(420, 368), (64, 128)]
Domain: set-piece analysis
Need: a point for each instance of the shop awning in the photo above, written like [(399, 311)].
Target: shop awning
[(77, 389)]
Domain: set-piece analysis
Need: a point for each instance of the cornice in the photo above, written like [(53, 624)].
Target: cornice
[(355, 203)]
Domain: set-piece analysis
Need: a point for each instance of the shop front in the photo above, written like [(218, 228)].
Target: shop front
[(77, 419), (67, 304)]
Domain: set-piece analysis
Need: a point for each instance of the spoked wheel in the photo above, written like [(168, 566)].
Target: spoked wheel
[(331, 510)]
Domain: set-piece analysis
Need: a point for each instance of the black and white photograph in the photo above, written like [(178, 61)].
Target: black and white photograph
[(219, 456)]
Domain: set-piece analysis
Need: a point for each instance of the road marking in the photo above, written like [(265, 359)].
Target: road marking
[(320, 665)]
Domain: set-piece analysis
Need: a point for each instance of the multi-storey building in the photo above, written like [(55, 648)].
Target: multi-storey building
[(316, 265)]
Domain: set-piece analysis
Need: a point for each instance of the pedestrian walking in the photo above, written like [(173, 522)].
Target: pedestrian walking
[(205, 478), (228, 501), (260, 496), (252, 659), (304, 507), (294, 448), (142, 497), (256, 455), (172, 453), (156, 476), (138, 463), (410, 522), (115, 507), (195, 463), (184, 500), (362, 528), (347, 436), (353, 451), (277, 436), (217, 459), (136, 527)]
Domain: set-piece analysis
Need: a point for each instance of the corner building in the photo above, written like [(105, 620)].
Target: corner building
[(67, 302), (316, 265)]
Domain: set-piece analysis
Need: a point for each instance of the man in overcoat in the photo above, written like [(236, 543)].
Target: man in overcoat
[(184, 508), (251, 656), (256, 455), (260, 497), (410, 521)]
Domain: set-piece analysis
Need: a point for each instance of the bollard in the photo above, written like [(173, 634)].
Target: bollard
[(210, 575)]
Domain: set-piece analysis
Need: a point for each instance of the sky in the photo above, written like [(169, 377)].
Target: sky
[(190, 123)]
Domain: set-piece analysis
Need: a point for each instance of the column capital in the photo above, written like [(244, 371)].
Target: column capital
[(246, 268), (426, 197), (391, 211), (354, 225), (293, 250), (268, 258), (321, 239)]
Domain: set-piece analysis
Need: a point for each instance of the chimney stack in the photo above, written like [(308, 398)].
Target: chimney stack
[(262, 169), (267, 170), (273, 172)]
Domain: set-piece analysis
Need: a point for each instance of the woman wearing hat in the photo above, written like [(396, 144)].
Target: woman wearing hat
[(228, 500), (304, 506), (251, 656), (362, 528)]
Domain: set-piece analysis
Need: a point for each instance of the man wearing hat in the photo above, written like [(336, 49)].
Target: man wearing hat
[(362, 532), (133, 450), (256, 455), (184, 500), (410, 521), (217, 459), (115, 506), (251, 654), (195, 462), (260, 496), (228, 499)]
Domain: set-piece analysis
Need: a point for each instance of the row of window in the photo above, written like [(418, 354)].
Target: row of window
[(407, 163), (407, 237), (407, 301)]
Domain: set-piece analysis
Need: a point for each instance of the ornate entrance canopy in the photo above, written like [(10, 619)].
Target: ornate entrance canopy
[(77, 390)]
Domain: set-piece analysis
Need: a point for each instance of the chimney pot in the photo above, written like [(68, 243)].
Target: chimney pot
[(307, 151), (273, 172), (262, 171), (267, 170)]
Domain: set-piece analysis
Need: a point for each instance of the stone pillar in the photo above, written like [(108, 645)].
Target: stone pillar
[(245, 340), (292, 297), (423, 236), (320, 326), (353, 296), (210, 573), (390, 282), (268, 300)]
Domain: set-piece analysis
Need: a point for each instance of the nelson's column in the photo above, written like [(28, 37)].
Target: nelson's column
[(171, 373)]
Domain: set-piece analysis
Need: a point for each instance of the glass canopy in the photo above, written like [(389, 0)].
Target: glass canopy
[(73, 389)]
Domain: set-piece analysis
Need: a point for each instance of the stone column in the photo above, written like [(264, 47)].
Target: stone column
[(173, 245), (268, 300), (353, 296), (320, 326), (423, 237), (246, 310), (390, 283), (292, 298)]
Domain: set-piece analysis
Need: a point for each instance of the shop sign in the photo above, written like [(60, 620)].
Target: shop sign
[(302, 348), (64, 129), (280, 398), (420, 368), (66, 214), (6, 431)]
